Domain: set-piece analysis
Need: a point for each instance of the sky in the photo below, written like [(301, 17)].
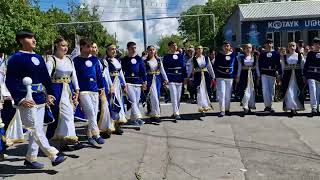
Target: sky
[(131, 9)]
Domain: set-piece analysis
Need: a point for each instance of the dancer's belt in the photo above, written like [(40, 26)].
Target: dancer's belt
[(114, 74), (247, 67), (314, 69), (200, 70), (292, 66), (37, 88), (61, 80), (154, 72)]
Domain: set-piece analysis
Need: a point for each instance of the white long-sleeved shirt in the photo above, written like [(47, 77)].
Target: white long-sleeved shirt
[(63, 68), (202, 64), (248, 61), (153, 64), (291, 59)]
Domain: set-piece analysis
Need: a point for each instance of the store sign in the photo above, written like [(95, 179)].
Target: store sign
[(293, 24)]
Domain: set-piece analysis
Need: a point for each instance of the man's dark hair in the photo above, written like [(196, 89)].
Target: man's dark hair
[(129, 44), (24, 34), (85, 42), (171, 43)]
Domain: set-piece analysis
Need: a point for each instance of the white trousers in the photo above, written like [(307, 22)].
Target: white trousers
[(32, 119), (268, 89), (134, 93), (224, 89), (175, 94), (314, 91), (89, 101)]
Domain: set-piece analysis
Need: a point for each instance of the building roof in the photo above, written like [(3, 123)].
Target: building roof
[(279, 10)]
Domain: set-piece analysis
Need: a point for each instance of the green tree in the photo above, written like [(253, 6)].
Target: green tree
[(222, 9), (16, 15), (164, 40)]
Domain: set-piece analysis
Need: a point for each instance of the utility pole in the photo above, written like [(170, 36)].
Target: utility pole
[(144, 25), (199, 35)]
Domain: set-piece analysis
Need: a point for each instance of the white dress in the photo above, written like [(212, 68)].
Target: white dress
[(248, 100), (58, 69), (153, 94), (118, 89), (291, 97), (203, 100)]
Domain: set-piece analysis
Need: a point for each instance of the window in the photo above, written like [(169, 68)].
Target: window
[(294, 36), (311, 35), (291, 36), (277, 39), (297, 36), (269, 35)]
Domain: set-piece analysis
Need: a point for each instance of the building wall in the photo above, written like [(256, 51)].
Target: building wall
[(255, 31), (232, 29)]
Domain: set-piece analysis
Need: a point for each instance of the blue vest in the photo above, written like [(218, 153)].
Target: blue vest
[(224, 65), (89, 73), (134, 70), (113, 70), (269, 63), (22, 65), (175, 67), (311, 68)]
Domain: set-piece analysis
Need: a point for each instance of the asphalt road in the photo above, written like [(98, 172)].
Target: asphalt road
[(254, 147)]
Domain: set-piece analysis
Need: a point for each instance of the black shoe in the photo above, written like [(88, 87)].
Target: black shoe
[(66, 148), (221, 114), (245, 111), (228, 113), (105, 135), (157, 120), (314, 112), (58, 160), (290, 114), (118, 131), (33, 165), (203, 114), (78, 146), (267, 109), (272, 111)]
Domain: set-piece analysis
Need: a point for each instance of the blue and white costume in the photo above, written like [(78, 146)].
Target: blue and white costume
[(64, 82), (10, 115), (292, 85), (311, 72), (175, 68), (105, 122), (203, 73), (21, 65), (135, 75), (270, 68), (90, 81), (117, 80), (154, 70), (224, 69), (248, 71)]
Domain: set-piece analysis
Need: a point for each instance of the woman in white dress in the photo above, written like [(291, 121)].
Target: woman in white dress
[(292, 87), (248, 71), (203, 73), (118, 88), (154, 68), (66, 89)]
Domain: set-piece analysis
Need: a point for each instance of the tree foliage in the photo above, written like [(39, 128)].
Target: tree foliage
[(164, 40), (16, 15), (221, 9)]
